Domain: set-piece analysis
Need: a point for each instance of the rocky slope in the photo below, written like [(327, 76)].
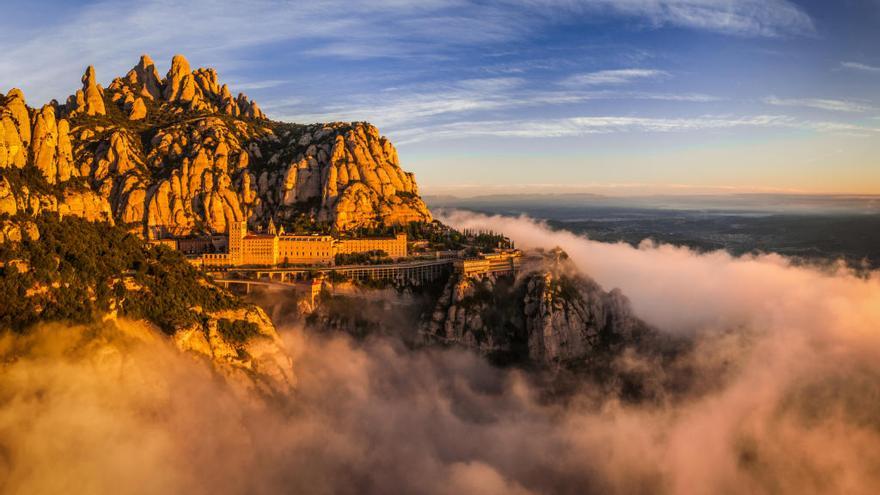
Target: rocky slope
[(549, 315), (75, 271), (180, 154)]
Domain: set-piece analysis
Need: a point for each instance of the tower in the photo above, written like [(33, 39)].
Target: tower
[(237, 231)]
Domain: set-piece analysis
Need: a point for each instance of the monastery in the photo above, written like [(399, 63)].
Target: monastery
[(276, 247), (502, 261)]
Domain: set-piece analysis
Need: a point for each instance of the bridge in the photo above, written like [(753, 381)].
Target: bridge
[(247, 284), (417, 271)]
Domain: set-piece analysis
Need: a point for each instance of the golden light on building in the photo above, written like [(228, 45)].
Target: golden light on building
[(276, 247)]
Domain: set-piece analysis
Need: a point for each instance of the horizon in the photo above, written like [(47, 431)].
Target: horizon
[(661, 96)]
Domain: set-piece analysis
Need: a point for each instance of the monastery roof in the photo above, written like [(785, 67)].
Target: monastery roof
[(259, 236)]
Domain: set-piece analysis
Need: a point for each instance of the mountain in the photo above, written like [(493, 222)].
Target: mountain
[(83, 183), (179, 154), (548, 315)]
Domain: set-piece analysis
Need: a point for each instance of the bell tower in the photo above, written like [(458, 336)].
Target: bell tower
[(237, 231)]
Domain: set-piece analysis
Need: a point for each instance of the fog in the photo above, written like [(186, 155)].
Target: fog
[(680, 290), (796, 407)]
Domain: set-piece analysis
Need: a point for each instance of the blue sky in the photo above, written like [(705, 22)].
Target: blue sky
[(610, 96)]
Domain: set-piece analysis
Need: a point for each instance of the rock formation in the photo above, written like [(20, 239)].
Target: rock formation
[(15, 130), (52, 149), (260, 361), (549, 315), (137, 110), (180, 154), (8, 201), (90, 100)]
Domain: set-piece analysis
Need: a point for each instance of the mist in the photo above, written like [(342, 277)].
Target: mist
[(678, 289), (115, 408)]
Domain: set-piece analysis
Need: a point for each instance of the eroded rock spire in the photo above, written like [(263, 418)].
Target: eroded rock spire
[(92, 102)]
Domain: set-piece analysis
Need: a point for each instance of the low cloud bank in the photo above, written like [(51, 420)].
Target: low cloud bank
[(796, 409), (678, 289)]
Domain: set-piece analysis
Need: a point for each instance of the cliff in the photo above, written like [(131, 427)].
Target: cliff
[(180, 154), (548, 315)]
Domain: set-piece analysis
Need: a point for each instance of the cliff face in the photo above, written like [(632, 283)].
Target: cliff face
[(180, 154), (256, 359), (548, 315)]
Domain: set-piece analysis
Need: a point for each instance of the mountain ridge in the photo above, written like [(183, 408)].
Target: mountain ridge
[(179, 155)]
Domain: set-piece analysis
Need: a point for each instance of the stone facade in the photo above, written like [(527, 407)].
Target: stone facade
[(394, 246), (274, 248), (507, 261)]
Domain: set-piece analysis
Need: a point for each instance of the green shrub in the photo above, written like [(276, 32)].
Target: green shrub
[(237, 331), (80, 265)]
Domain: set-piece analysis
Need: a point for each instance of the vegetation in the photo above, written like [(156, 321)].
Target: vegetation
[(237, 331), (32, 179), (441, 237), (366, 258), (79, 270)]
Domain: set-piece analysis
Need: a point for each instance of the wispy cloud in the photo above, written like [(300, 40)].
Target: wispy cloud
[(250, 85), (686, 97), (402, 108), (753, 18), (112, 35), (820, 104), (582, 126), (860, 67), (613, 77)]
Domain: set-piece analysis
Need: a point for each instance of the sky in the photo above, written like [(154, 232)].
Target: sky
[(608, 96)]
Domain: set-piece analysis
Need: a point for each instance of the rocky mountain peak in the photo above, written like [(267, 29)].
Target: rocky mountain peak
[(182, 155), (179, 85), (88, 78), (146, 76), (90, 100), (15, 119), (182, 90)]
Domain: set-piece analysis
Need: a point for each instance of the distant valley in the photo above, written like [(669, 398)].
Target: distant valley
[(810, 228)]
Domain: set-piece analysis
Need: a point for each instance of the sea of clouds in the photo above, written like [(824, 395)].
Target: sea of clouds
[(796, 408)]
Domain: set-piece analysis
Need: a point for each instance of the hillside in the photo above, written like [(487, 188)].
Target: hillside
[(179, 154), (83, 183), (74, 271)]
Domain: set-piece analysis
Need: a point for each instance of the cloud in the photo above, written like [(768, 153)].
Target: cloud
[(688, 97), (820, 103), (860, 67), (760, 18), (111, 35), (778, 395), (402, 110), (250, 85), (613, 77), (677, 289), (587, 125)]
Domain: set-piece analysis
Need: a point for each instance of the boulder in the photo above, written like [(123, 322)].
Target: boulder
[(138, 110)]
